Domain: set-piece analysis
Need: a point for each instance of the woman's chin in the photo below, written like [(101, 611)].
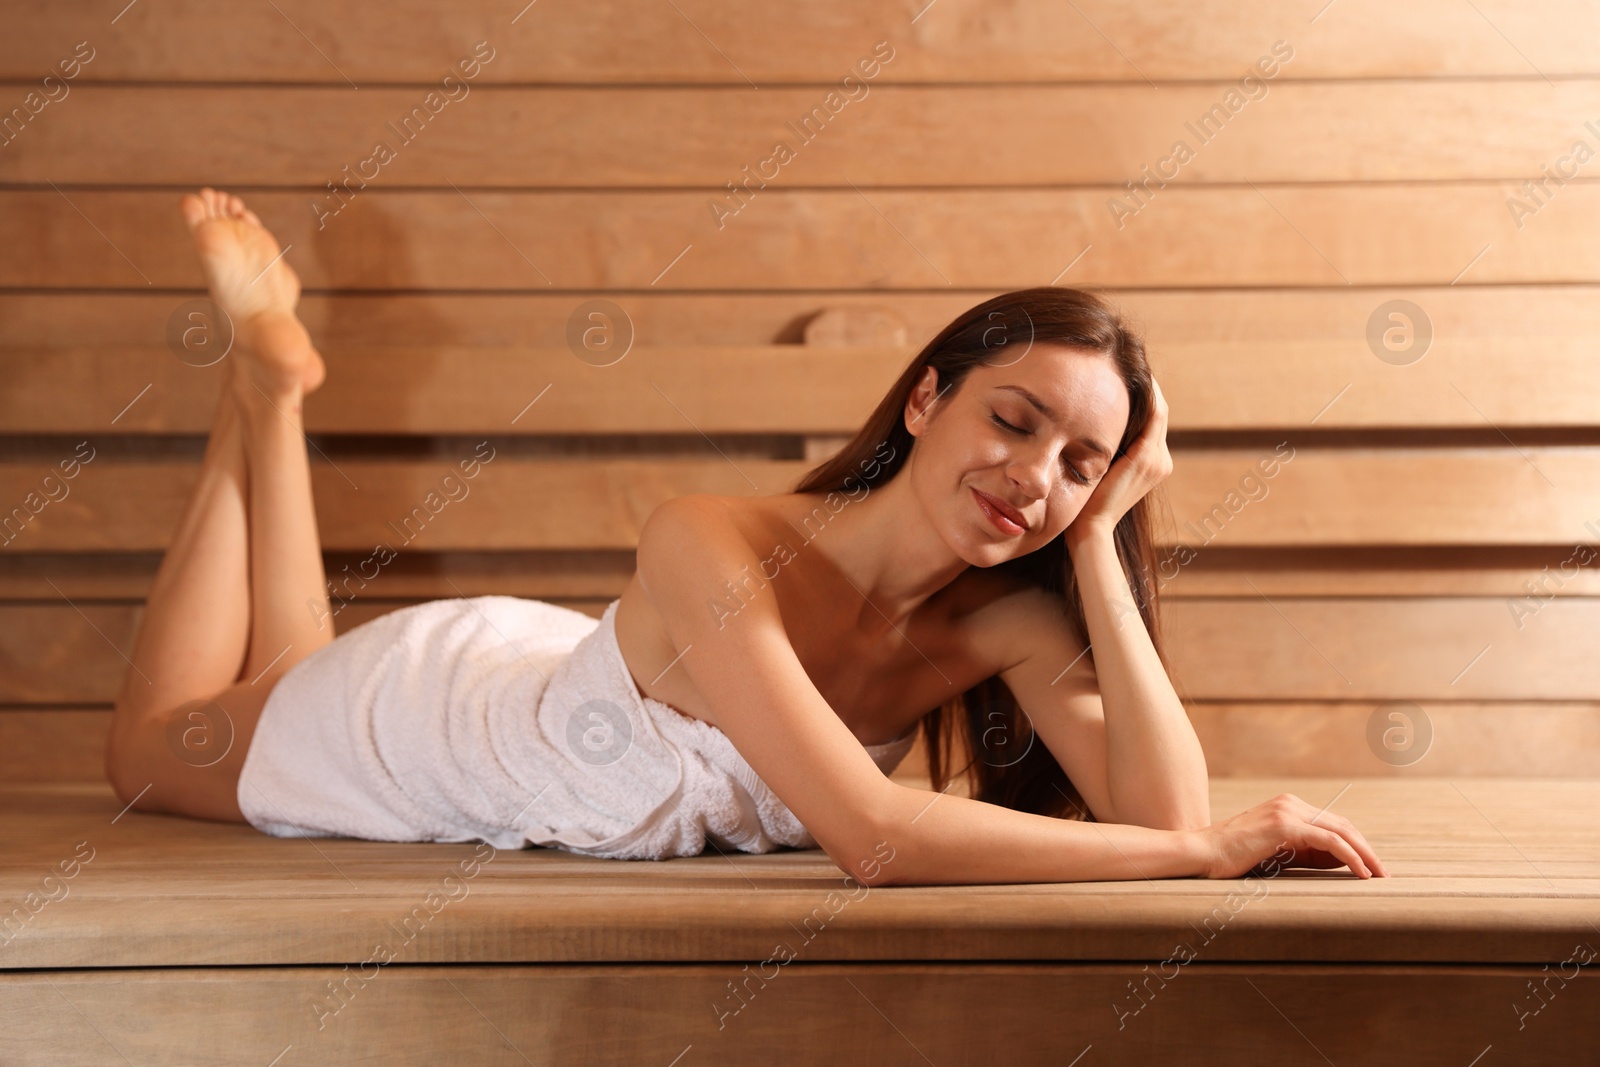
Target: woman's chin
[(988, 554)]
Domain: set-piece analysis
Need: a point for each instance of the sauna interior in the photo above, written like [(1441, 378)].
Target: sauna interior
[(631, 250)]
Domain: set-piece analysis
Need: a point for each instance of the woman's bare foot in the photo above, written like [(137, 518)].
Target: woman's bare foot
[(254, 285)]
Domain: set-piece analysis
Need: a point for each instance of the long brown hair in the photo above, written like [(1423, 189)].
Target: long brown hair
[(994, 332)]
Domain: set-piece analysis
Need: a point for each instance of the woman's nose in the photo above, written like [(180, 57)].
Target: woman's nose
[(1033, 473)]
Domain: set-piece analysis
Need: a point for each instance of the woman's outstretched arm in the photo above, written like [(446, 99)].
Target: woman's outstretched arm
[(953, 840), (938, 839)]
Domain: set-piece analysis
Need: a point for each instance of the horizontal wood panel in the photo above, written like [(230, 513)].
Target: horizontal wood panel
[(1277, 235), (58, 745), (699, 41), (555, 576), (705, 138), (1278, 495), (1485, 871), (1470, 383), (1417, 649), (1436, 740), (1245, 318), (1258, 649), (1326, 740), (1219, 571), (881, 1014), (770, 389), (404, 504)]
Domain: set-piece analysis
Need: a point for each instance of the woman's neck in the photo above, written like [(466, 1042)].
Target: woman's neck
[(881, 542)]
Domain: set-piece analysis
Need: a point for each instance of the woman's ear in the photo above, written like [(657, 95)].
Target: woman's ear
[(921, 400)]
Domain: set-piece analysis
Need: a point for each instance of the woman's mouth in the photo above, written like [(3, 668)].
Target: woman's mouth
[(1000, 520)]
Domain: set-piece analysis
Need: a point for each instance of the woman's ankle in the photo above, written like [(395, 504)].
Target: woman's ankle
[(272, 335)]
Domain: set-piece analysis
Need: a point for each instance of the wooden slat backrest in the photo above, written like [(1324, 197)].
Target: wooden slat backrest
[(1421, 544), (1468, 383), (1162, 40)]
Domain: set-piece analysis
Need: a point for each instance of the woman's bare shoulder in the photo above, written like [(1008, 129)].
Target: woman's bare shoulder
[(704, 540), (709, 515), (1004, 619)]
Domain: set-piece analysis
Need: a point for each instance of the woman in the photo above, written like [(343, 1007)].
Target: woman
[(958, 555)]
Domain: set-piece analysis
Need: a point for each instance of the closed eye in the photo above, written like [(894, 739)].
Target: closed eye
[(1077, 475)]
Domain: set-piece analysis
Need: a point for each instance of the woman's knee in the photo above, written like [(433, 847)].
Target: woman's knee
[(183, 760)]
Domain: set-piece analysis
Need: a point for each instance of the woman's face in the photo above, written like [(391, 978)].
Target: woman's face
[(970, 471)]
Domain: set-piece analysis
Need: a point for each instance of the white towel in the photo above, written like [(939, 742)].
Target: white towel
[(506, 720)]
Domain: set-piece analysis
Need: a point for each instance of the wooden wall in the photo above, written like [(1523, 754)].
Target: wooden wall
[(1424, 553)]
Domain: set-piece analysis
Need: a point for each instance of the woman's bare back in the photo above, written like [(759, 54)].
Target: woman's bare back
[(880, 679)]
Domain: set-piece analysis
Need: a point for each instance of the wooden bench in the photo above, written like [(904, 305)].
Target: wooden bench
[(208, 941), (1398, 623)]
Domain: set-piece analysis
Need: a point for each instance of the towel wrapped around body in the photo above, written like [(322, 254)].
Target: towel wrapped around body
[(506, 720)]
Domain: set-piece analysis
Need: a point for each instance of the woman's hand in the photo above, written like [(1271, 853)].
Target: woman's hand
[(1140, 469), (1249, 841)]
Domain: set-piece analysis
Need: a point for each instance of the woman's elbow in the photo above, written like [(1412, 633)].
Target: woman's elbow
[(867, 852), (874, 867), (1192, 818)]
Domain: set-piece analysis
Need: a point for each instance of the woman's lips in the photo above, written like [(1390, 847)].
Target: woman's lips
[(995, 516)]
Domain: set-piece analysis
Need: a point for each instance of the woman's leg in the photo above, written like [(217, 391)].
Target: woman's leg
[(234, 603)]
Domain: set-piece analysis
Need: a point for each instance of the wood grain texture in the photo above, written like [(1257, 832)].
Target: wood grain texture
[(1488, 871), (703, 138), (703, 41), (1268, 316), (1376, 234), (1478, 383), (1316, 571), (1268, 496), (889, 1013)]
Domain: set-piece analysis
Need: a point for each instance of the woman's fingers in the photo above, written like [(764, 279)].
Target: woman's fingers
[(1368, 855), (1335, 845), (1347, 829)]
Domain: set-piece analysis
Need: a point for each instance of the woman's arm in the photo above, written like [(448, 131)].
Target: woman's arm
[(931, 839), (1155, 767), (935, 839)]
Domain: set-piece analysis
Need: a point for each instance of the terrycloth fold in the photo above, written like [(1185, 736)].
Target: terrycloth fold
[(506, 720)]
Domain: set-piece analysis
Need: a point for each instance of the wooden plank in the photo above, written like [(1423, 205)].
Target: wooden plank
[(555, 576), (704, 138), (58, 745), (1534, 315), (1511, 739), (1386, 571), (1398, 496), (414, 41), (1487, 871), (730, 389), (57, 653), (1273, 495), (404, 505), (1439, 740), (1282, 649), (1413, 649), (882, 1014), (1278, 235), (1459, 383)]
